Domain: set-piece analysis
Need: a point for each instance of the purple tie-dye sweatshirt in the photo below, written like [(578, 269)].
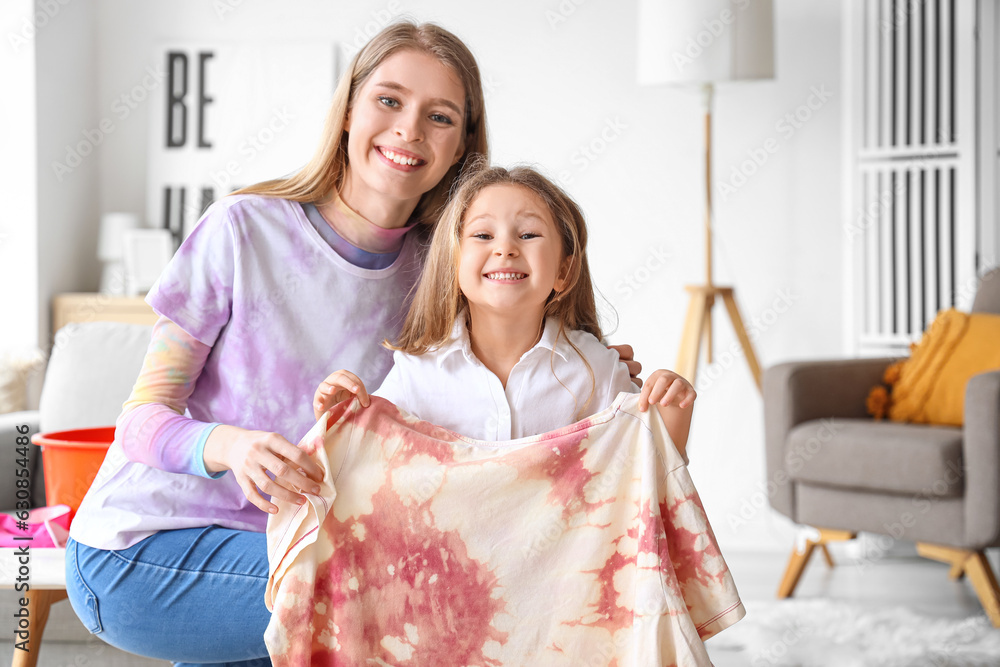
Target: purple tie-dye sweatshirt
[(264, 310)]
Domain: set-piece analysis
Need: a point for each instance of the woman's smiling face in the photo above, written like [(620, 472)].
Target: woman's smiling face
[(406, 128)]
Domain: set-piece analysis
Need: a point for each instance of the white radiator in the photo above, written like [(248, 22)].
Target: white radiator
[(915, 76)]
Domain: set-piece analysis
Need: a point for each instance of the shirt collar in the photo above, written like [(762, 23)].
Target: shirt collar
[(459, 341), (552, 341)]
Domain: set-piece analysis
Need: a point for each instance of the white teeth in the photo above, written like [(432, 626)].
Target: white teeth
[(400, 159), (505, 276)]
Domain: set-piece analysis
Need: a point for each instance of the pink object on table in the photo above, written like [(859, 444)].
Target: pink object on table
[(44, 527)]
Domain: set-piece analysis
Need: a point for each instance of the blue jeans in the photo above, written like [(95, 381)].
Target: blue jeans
[(193, 596)]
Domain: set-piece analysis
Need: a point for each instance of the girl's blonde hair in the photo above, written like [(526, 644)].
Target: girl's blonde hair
[(438, 300), (324, 174)]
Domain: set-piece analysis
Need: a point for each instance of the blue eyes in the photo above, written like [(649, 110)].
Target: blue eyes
[(393, 103)]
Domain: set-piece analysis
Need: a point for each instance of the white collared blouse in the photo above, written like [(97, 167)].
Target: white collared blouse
[(548, 388)]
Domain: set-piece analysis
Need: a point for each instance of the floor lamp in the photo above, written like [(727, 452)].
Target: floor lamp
[(702, 43)]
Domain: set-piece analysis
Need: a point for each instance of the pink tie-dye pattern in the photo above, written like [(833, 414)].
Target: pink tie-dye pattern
[(629, 572)]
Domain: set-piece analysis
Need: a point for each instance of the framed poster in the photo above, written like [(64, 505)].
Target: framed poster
[(230, 114)]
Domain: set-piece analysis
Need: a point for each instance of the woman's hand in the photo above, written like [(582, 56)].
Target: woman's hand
[(338, 386), (626, 354), (253, 454), (666, 388)]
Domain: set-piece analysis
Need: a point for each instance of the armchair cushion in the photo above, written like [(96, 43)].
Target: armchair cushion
[(931, 385), (860, 454), (796, 392)]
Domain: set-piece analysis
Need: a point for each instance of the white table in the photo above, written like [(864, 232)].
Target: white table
[(47, 585)]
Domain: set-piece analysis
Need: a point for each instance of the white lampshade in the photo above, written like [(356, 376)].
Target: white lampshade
[(705, 41), (110, 246)]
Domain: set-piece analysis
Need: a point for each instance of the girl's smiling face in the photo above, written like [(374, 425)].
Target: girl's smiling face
[(405, 131), (511, 252)]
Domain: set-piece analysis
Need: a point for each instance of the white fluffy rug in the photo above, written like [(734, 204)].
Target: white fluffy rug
[(806, 633)]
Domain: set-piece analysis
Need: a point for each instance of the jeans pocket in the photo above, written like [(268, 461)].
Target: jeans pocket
[(81, 597)]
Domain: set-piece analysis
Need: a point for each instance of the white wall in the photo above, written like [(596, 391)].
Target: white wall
[(560, 77), (67, 145), (18, 229)]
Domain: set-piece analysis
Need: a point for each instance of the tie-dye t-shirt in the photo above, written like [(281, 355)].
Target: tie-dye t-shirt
[(280, 309), (587, 545)]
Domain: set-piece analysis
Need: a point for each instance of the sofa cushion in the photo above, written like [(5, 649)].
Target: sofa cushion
[(16, 369), (91, 371), (906, 459)]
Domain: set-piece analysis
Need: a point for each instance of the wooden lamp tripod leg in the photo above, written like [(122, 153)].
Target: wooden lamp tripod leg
[(687, 358), (698, 322), (741, 333)]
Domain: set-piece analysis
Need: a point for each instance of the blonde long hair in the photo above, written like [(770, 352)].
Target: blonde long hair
[(438, 300), (324, 174)]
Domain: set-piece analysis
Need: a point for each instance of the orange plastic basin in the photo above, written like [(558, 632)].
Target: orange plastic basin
[(71, 460)]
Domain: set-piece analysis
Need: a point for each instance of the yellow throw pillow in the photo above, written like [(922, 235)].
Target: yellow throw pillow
[(931, 385)]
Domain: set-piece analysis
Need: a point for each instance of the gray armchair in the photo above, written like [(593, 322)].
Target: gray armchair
[(832, 467)]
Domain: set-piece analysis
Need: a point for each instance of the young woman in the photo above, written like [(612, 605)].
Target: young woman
[(276, 284)]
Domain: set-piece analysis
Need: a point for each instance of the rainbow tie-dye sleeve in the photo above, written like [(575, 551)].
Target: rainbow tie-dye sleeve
[(584, 546), (152, 427)]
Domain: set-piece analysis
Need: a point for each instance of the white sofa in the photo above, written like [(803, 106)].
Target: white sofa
[(90, 374)]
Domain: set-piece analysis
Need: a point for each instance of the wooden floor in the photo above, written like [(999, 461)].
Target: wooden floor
[(919, 584)]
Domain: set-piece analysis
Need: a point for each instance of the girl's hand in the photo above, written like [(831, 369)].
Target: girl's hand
[(626, 354), (252, 454), (337, 387), (666, 388)]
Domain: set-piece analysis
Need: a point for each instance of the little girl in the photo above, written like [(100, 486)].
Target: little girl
[(502, 340)]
